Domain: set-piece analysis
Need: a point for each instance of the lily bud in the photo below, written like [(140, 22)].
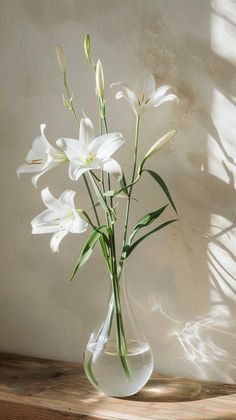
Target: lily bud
[(159, 143), (61, 58), (155, 147), (99, 80), (87, 45)]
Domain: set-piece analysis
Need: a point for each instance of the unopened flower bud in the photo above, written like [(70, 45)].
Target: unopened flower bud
[(87, 45), (159, 143), (99, 80), (61, 58)]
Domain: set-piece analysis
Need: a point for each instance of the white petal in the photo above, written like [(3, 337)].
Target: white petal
[(36, 177), (50, 165), (56, 239), (112, 167), (101, 141), (75, 170), (86, 132), (161, 91), (104, 146), (50, 219), (167, 98), (67, 198), (44, 223), (48, 198), (72, 148), (42, 128), (50, 150), (41, 229), (160, 94), (39, 147), (145, 85), (42, 151), (124, 92), (26, 168), (78, 225)]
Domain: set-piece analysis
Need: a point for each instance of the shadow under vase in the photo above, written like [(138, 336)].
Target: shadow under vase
[(166, 389)]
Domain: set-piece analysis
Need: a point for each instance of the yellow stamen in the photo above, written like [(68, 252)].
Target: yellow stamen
[(90, 158)]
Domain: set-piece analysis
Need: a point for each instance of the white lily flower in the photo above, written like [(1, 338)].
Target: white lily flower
[(41, 158), (145, 94), (89, 153), (60, 218)]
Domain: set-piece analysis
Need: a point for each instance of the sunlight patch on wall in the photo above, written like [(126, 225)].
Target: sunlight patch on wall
[(221, 154)]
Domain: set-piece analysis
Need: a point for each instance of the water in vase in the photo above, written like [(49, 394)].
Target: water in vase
[(105, 367)]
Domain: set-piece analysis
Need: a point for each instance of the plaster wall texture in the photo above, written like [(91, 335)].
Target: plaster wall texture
[(182, 281)]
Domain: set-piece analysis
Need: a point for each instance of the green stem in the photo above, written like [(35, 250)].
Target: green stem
[(91, 199), (131, 188), (69, 97), (105, 123), (121, 340), (78, 125), (102, 242), (108, 175), (89, 220)]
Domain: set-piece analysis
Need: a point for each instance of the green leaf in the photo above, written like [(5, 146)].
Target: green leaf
[(100, 197), (105, 251), (88, 248), (146, 220), (129, 248), (162, 184)]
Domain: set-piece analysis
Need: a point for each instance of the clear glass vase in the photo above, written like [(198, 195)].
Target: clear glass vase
[(118, 359)]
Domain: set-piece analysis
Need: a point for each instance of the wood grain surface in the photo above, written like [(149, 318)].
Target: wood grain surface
[(41, 389)]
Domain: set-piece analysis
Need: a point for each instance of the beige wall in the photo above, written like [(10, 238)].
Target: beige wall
[(183, 281)]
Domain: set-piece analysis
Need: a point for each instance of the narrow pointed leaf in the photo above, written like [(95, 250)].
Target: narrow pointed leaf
[(129, 248), (146, 220), (88, 248), (100, 196), (162, 184), (105, 244)]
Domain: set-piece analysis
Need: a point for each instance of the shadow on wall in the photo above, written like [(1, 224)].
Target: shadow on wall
[(199, 334)]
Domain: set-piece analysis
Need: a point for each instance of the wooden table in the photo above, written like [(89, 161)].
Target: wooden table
[(38, 389)]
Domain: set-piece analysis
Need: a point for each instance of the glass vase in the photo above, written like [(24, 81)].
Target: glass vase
[(118, 359)]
